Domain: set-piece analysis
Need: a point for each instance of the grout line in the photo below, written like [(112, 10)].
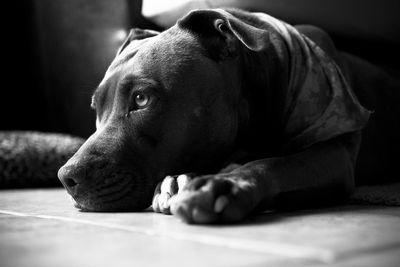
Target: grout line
[(280, 249)]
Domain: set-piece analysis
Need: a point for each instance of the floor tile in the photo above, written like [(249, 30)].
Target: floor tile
[(41, 228)]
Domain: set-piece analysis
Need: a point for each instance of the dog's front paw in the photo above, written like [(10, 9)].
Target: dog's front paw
[(215, 198), (169, 187)]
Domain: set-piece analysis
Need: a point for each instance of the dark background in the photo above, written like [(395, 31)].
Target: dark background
[(56, 53)]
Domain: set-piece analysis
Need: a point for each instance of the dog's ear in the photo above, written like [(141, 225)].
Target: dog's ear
[(136, 34), (222, 31)]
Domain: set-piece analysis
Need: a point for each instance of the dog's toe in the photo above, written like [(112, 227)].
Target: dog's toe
[(211, 199), (166, 190)]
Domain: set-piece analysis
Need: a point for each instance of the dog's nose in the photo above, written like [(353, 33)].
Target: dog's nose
[(71, 176)]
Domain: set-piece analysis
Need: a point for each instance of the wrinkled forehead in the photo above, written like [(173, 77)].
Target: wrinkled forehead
[(170, 51)]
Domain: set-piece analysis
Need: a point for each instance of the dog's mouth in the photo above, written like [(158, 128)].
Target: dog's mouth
[(121, 194)]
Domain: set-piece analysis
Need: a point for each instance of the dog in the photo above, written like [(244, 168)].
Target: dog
[(229, 113)]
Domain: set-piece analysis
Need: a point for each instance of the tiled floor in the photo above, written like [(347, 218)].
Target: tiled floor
[(40, 228)]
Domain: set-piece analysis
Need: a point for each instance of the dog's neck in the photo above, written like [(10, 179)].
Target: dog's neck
[(263, 88), (270, 81)]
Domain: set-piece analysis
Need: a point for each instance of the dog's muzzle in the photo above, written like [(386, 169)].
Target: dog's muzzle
[(98, 178)]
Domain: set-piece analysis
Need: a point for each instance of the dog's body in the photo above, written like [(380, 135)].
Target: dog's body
[(251, 100)]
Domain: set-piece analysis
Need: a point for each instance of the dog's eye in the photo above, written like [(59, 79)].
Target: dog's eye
[(141, 100)]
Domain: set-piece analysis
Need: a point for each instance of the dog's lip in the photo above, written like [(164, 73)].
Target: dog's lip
[(127, 193), (88, 197), (130, 200), (74, 203), (70, 190)]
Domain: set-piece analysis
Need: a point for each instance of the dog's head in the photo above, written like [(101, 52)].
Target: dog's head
[(169, 103)]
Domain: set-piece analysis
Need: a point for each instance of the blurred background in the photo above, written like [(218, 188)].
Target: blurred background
[(57, 51)]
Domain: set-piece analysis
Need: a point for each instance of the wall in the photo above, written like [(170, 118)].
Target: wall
[(56, 54), (77, 41), (368, 28)]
